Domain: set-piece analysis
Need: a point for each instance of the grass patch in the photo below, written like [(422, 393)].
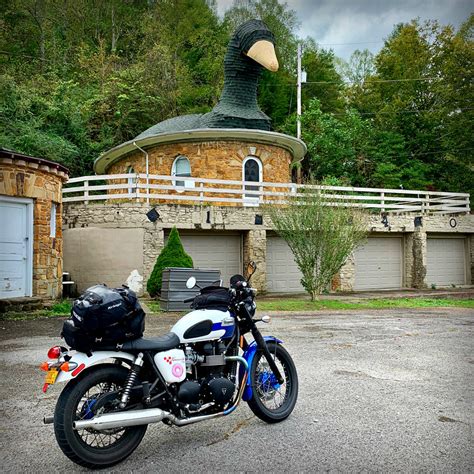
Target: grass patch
[(386, 303), (60, 309), (154, 306)]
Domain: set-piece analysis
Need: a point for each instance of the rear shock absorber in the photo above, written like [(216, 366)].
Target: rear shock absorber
[(131, 378)]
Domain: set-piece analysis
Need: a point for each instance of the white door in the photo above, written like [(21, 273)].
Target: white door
[(446, 261), (283, 275), (378, 264), (217, 252), (16, 220)]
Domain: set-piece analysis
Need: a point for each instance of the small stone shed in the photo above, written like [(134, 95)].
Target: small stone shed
[(31, 242)]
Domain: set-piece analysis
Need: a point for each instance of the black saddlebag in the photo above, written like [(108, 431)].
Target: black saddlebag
[(212, 297), (102, 317)]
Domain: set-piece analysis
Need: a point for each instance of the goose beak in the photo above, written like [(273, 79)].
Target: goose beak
[(263, 52)]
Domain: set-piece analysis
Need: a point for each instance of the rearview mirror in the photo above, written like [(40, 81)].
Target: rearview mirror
[(191, 283)]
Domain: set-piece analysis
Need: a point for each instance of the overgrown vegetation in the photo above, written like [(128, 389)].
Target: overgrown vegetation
[(82, 76), (172, 255)]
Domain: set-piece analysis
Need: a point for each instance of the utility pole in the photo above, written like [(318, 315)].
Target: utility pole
[(298, 95)]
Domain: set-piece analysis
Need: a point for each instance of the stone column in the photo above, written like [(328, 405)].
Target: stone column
[(418, 268), (347, 275), (153, 242), (255, 248)]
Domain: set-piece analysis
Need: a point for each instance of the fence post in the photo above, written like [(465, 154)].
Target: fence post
[(382, 201), (201, 193), (137, 197), (427, 204), (86, 191)]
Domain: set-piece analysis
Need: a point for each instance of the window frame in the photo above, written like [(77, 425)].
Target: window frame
[(184, 184), (250, 200)]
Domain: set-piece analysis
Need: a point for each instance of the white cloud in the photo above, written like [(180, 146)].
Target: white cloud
[(368, 22)]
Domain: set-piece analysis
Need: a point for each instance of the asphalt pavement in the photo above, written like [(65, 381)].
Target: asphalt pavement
[(379, 391)]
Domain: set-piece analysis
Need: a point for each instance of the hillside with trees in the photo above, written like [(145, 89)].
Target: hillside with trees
[(80, 77)]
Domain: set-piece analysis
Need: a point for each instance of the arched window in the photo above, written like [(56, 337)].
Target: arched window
[(132, 180), (182, 167), (252, 170)]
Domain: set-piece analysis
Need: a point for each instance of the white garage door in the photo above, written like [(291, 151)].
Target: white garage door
[(16, 224), (215, 251), (378, 264), (446, 262), (283, 275)]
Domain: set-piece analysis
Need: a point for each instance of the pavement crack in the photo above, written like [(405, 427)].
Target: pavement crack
[(241, 424)]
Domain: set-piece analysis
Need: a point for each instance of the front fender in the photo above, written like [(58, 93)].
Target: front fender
[(84, 361), (249, 354)]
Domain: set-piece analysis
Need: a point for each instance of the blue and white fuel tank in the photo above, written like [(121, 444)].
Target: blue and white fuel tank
[(204, 325)]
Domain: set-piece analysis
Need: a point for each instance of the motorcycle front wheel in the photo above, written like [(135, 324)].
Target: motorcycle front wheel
[(273, 402), (84, 398)]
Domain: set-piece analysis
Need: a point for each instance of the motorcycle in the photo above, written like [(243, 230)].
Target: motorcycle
[(200, 370)]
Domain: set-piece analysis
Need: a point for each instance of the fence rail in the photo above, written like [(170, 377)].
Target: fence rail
[(159, 188)]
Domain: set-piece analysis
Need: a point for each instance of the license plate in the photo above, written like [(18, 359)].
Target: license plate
[(51, 376)]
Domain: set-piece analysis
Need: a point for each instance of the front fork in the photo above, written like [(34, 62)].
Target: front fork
[(266, 352)]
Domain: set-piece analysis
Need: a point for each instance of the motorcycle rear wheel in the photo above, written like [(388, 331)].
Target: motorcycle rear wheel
[(91, 448), (273, 402)]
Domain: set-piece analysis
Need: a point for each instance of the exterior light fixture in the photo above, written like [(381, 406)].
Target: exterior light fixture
[(153, 215), (258, 219), (418, 221), (385, 220)]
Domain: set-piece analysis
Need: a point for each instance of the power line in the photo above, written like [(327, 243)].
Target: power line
[(344, 44)]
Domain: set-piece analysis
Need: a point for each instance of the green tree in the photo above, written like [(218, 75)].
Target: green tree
[(321, 237), (172, 255)]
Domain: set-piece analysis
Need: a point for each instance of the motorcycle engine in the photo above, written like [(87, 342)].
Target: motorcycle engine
[(209, 381)]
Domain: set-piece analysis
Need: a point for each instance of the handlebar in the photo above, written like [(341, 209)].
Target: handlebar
[(188, 300)]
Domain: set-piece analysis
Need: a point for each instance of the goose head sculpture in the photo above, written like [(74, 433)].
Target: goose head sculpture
[(250, 50)]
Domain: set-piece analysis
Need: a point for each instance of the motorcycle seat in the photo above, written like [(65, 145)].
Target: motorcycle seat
[(157, 344)]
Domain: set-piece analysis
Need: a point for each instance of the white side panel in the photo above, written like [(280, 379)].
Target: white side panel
[(283, 275), (379, 264), (446, 261)]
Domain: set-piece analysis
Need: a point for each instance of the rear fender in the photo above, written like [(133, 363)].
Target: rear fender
[(249, 354), (84, 362)]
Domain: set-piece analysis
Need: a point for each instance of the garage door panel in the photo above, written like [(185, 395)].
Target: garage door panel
[(446, 261), (220, 252), (283, 275), (378, 264)]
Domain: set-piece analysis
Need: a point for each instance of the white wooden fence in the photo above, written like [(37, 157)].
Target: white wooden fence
[(157, 188)]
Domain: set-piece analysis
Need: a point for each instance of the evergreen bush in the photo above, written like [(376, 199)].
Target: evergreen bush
[(172, 255)]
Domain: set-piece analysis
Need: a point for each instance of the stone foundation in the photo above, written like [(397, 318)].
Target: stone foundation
[(242, 219)]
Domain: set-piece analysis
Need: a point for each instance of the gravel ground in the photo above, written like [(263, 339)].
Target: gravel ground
[(379, 391)]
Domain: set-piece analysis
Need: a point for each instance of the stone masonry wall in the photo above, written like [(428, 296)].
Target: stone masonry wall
[(208, 218), (210, 160), (42, 183)]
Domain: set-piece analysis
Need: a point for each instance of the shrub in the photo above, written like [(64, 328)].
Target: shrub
[(172, 255)]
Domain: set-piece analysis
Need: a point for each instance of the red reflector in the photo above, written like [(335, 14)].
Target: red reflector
[(54, 352), (78, 369), (45, 387)]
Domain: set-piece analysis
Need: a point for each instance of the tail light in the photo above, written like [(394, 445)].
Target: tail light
[(54, 352)]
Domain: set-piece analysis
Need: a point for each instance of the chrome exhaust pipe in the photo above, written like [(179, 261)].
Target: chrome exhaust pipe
[(154, 415), (121, 420)]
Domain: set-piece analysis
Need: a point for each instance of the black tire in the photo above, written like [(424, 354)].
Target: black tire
[(72, 442), (265, 389)]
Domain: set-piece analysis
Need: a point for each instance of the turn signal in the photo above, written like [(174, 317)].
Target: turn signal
[(65, 367), (54, 352), (44, 366)]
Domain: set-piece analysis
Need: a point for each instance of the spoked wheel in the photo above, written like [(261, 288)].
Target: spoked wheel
[(94, 394), (273, 402)]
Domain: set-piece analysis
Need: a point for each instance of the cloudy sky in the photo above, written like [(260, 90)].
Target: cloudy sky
[(365, 23)]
